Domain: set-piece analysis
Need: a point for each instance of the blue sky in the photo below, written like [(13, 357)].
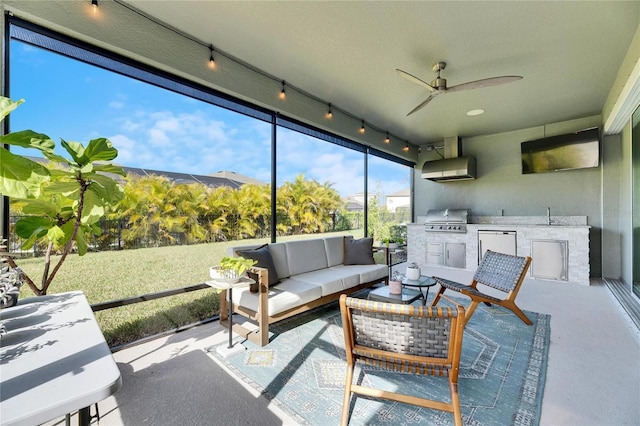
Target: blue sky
[(157, 129)]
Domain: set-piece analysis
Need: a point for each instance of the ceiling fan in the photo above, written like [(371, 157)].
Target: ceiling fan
[(438, 86)]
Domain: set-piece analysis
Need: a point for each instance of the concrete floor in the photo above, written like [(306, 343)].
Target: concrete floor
[(593, 375)]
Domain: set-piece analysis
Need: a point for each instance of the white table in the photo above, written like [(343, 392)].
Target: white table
[(54, 360), (224, 285)]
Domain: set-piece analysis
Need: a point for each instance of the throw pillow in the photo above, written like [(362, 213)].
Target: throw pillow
[(358, 252), (263, 256)]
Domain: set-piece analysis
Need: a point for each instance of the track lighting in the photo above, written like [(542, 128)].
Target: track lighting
[(362, 127), (94, 5), (212, 60), (282, 94), (329, 113), (387, 140)]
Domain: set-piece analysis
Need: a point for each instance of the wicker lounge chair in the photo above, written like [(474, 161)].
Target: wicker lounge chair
[(406, 338), (500, 271)]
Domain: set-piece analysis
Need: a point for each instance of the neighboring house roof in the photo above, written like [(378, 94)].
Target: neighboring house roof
[(353, 204), (223, 178), (236, 177), (402, 193)]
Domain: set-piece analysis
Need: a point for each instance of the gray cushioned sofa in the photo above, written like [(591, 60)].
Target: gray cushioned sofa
[(310, 272)]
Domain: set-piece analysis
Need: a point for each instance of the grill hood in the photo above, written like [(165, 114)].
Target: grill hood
[(452, 167)]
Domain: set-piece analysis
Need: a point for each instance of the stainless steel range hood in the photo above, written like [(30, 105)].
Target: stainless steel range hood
[(452, 167), (459, 168)]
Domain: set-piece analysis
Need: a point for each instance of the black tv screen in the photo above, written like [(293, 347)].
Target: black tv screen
[(577, 150)]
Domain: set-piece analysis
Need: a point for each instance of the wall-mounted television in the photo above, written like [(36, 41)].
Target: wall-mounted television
[(577, 150)]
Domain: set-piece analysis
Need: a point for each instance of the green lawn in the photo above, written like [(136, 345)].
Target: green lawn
[(112, 275)]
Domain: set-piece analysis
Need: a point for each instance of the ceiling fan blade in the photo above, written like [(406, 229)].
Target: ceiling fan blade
[(415, 80), (422, 105), (493, 81)]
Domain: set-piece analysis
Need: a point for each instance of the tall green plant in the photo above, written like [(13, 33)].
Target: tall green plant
[(64, 199)]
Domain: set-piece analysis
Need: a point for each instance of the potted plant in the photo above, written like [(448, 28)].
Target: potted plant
[(413, 271), (62, 199), (395, 283), (231, 269)]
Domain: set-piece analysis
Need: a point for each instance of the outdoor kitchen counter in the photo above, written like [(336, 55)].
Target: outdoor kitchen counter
[(575, 235)]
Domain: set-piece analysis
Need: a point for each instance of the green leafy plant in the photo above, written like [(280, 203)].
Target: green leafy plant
[(239, 264), (62, 199)]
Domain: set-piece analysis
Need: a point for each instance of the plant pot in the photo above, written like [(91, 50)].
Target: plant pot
[(413, 273), (395, 287), (224, 275)]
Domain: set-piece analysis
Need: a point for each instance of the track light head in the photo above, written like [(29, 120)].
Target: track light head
[(212, 60)]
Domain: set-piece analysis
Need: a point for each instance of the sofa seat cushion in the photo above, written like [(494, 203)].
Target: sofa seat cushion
[(331, 280), (365, 273), (290, 293)]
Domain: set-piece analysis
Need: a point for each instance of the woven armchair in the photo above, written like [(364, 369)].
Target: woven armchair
[(500, 271), (405, 338)]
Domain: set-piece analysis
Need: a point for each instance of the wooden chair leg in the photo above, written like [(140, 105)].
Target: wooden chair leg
[(470, 310), (455, 402), (519, 313), (347, 396), (438, 295)]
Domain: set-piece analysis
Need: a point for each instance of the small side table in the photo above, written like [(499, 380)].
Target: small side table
[(382, 294), (422, 282), (223, 285)]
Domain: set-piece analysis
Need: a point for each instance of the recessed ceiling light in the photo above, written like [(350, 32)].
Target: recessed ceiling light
[(475, 112)]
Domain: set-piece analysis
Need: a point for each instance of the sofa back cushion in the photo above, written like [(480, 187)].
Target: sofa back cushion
[(334, 247), (278, 255), (306, 256), (358, 252), (262, 255)]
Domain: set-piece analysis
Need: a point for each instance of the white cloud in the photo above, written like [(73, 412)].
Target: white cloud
[(203, 142)]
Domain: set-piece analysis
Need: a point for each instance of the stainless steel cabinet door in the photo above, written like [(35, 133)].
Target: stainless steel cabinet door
[(455, 254), (550, 259)]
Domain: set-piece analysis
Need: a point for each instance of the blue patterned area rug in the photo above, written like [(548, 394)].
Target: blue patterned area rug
[(302, 370)]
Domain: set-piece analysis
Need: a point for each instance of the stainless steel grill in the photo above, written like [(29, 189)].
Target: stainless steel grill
[(447, 220)]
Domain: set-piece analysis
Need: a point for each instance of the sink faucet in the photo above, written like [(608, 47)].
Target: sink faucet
[(548, 215)]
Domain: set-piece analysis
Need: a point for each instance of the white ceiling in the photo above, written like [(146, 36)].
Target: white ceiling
[(346, 53)]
